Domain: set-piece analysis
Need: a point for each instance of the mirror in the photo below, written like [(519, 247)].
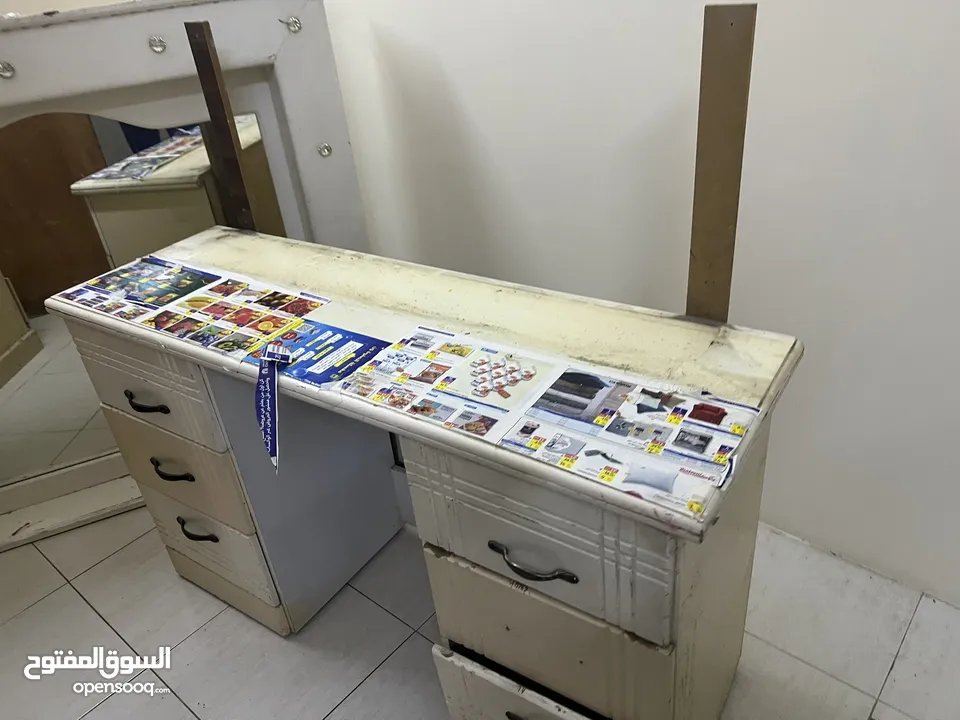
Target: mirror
[(81, 195)]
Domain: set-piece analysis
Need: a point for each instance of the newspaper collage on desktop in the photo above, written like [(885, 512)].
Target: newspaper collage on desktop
[(668, 444)]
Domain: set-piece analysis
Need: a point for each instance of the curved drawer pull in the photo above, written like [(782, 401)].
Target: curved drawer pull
[(193, 536), (141, 408), (170, 477), (512, 716), (532, 575)]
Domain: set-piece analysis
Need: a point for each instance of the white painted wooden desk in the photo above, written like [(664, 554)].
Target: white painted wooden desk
[(651, 630)]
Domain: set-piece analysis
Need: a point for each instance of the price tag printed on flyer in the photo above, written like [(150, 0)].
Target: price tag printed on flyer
[(608, 474), (567, 461), (655, 447)]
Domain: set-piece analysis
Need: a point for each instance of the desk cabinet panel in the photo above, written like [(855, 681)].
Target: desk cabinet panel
[(624, 570), (192, 474), (233, 555), (593, 663), (138, 379)]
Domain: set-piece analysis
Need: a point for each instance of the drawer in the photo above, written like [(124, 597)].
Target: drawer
[(593, 663), (152, 385), (273, 617), (234, 556), (474, 692), (193, 474), (605, 564)]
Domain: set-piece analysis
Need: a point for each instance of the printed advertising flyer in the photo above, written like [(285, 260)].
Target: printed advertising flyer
[(321, 353), (462, 382), (233, 315), (650, 417)]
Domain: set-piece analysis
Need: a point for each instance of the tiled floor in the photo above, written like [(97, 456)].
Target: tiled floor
[(49, 412), (825, 639)]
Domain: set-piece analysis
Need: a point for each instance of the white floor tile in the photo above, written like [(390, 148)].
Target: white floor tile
[(405, 686), (925, 682), (78, 550), (396, 579), (34, 366), (96, 422), (31, 452), (61, 621), (838, 617), (771, 685), (431, 630), (236, 669), (49, 403), (52, 331), (88, 443), (885, 712), (25, 578), (142, 706), (66, 361), (139, 593)]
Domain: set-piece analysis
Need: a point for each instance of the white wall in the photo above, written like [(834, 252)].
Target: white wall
[(505, 137)]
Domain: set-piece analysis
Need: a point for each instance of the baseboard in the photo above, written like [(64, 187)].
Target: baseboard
[(67, 512), (38, 488)]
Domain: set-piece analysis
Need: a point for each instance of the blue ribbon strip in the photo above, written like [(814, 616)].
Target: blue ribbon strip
[(266, 399)]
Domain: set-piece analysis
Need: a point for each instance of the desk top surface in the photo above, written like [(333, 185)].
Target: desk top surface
[(173, 164), (741, 364), (387, 299)]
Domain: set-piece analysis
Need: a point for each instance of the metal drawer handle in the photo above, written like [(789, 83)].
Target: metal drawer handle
[(193, 536), (141, 408), (170, 477), (532, 575), (512, 716)]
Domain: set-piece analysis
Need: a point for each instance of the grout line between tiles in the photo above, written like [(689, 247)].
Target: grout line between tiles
[(387, 611), (156, 672), (59, 587), (422, 625), (166, 683), (126, 642), (69, 443), (87, 713), (811, 665), (70, 582), (897, 656), (347, 696)]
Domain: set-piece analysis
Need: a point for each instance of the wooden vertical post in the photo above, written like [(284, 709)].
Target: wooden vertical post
[(220, 134), (726, 60)]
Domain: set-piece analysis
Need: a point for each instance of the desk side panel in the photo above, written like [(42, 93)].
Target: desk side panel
[(713, 585), (330, 507)]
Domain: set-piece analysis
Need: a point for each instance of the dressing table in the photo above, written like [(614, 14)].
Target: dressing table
[(559, 594)]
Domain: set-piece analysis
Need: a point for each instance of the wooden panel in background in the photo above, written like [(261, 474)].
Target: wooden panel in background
[(727, 58), (49, 241)]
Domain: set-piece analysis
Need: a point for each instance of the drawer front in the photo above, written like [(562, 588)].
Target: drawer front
[(273, 617), (195, 475), (593, 663), (134, 378), (234, 556), (474, 692), (605, 564)]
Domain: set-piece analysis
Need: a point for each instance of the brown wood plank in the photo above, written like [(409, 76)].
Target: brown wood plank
[(49, 241), (220, 134), (726, 60)]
